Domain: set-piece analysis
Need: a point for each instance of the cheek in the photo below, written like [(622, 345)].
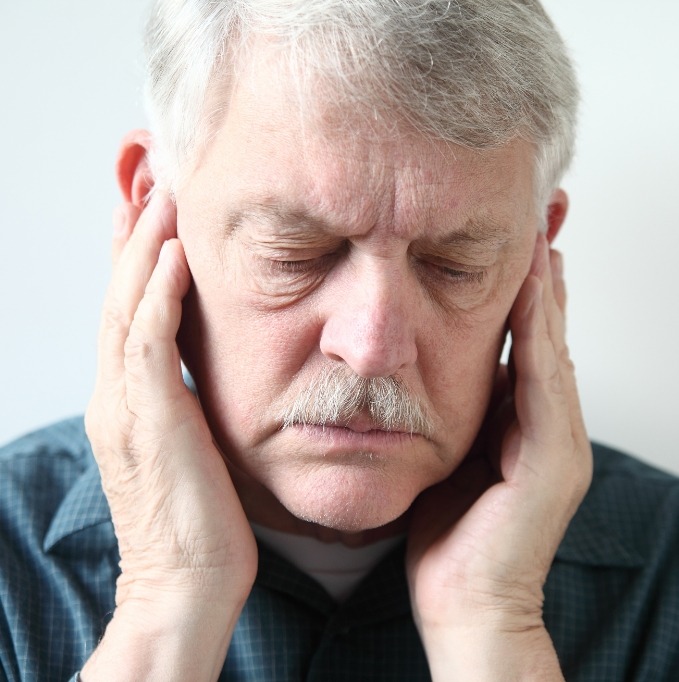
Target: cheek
[(243, 360), (242, 355), (465, 367), (458, 365)]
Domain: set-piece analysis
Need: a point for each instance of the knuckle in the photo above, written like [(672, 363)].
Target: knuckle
[(543, 337), (554, 382), (565, 361), (139, 359), (138, 350), (114, 319), (154, 318)]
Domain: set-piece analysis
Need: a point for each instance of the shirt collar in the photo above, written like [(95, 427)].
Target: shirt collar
[(381, 595), (595, 538), (83, 507)]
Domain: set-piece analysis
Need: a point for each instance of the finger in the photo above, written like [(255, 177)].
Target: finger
[(555, 319), (558, 283), (556, 325), (546, 398), (136, 262), (156, 224), (152, 362), (549, 267), (541, 405), (125, 218)]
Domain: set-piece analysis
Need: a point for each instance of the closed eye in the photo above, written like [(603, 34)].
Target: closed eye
[(301, 265), (475, 277), (282, 264), (451, 272)]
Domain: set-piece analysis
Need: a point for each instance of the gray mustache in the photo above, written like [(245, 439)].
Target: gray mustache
[(336, 396)]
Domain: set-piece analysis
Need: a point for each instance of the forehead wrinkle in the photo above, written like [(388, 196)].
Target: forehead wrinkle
[(485, 232), (290, 219)]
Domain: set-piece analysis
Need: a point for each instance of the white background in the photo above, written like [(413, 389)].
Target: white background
[(70, 75)]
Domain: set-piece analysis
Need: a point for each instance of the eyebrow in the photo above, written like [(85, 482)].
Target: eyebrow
[(484, 232), (281, 216)]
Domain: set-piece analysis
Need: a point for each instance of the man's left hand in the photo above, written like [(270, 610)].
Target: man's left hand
[(482, 542)]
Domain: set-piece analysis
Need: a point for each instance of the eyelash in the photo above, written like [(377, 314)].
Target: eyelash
[(465, 276), (300, 266), (307, 265)]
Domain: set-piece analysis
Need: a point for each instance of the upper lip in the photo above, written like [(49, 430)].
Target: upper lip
[(361, 423)]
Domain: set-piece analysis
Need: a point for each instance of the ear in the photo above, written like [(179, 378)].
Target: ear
[(133, 169), (556, 213)]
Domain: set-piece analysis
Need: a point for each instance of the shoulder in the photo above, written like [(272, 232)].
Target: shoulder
[(629, 514), (58, 555), (634, 499), (65, 440), (628, 519), (45, 462), (612, 597), (611, 464), (37, 471)]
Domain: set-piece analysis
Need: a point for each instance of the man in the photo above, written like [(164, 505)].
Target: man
[(351, 204)]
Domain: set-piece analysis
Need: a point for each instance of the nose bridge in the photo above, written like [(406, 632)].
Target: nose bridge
[(380, 310), (372, 328)]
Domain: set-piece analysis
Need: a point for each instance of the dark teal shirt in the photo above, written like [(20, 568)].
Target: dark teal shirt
[(611, 599)]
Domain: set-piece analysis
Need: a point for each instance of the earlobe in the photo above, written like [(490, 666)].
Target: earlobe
[(556, 213), (133, 169)]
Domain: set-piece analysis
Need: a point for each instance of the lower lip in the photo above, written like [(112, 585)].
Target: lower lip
[(339, 436)]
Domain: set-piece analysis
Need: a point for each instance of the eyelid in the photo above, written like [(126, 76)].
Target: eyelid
[(452, 270), (299, 264), (290, 264), (466, 265), (476, 277), (293, 250)]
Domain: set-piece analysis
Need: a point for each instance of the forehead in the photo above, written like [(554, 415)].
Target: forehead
[(311, 155)]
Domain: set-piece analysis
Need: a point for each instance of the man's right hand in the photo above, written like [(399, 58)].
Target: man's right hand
[(188, 556)]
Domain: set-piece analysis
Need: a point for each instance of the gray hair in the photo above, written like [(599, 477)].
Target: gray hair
[(335, 396), (476, 73)]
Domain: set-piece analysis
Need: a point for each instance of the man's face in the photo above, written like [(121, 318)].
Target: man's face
[(384, 255)]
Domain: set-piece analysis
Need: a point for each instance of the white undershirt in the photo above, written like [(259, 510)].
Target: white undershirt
[(335, 566)]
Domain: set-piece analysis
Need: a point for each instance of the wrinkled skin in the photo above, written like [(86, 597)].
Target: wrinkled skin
[(288, 251)]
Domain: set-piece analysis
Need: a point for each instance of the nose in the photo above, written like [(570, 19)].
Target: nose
[(370, 325)]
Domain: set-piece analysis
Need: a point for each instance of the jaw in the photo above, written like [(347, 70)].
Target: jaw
[(356, 500)]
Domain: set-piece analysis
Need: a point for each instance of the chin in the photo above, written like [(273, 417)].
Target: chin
[(349, 500)]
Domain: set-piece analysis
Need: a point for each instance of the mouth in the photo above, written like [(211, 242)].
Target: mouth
[(358, 423), (362, 424), (359, 434)]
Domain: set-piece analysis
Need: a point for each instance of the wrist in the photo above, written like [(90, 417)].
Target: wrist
[(173, 640), (491, 654)]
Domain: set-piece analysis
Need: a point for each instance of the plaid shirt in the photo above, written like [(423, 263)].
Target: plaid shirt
[(611, 599)]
